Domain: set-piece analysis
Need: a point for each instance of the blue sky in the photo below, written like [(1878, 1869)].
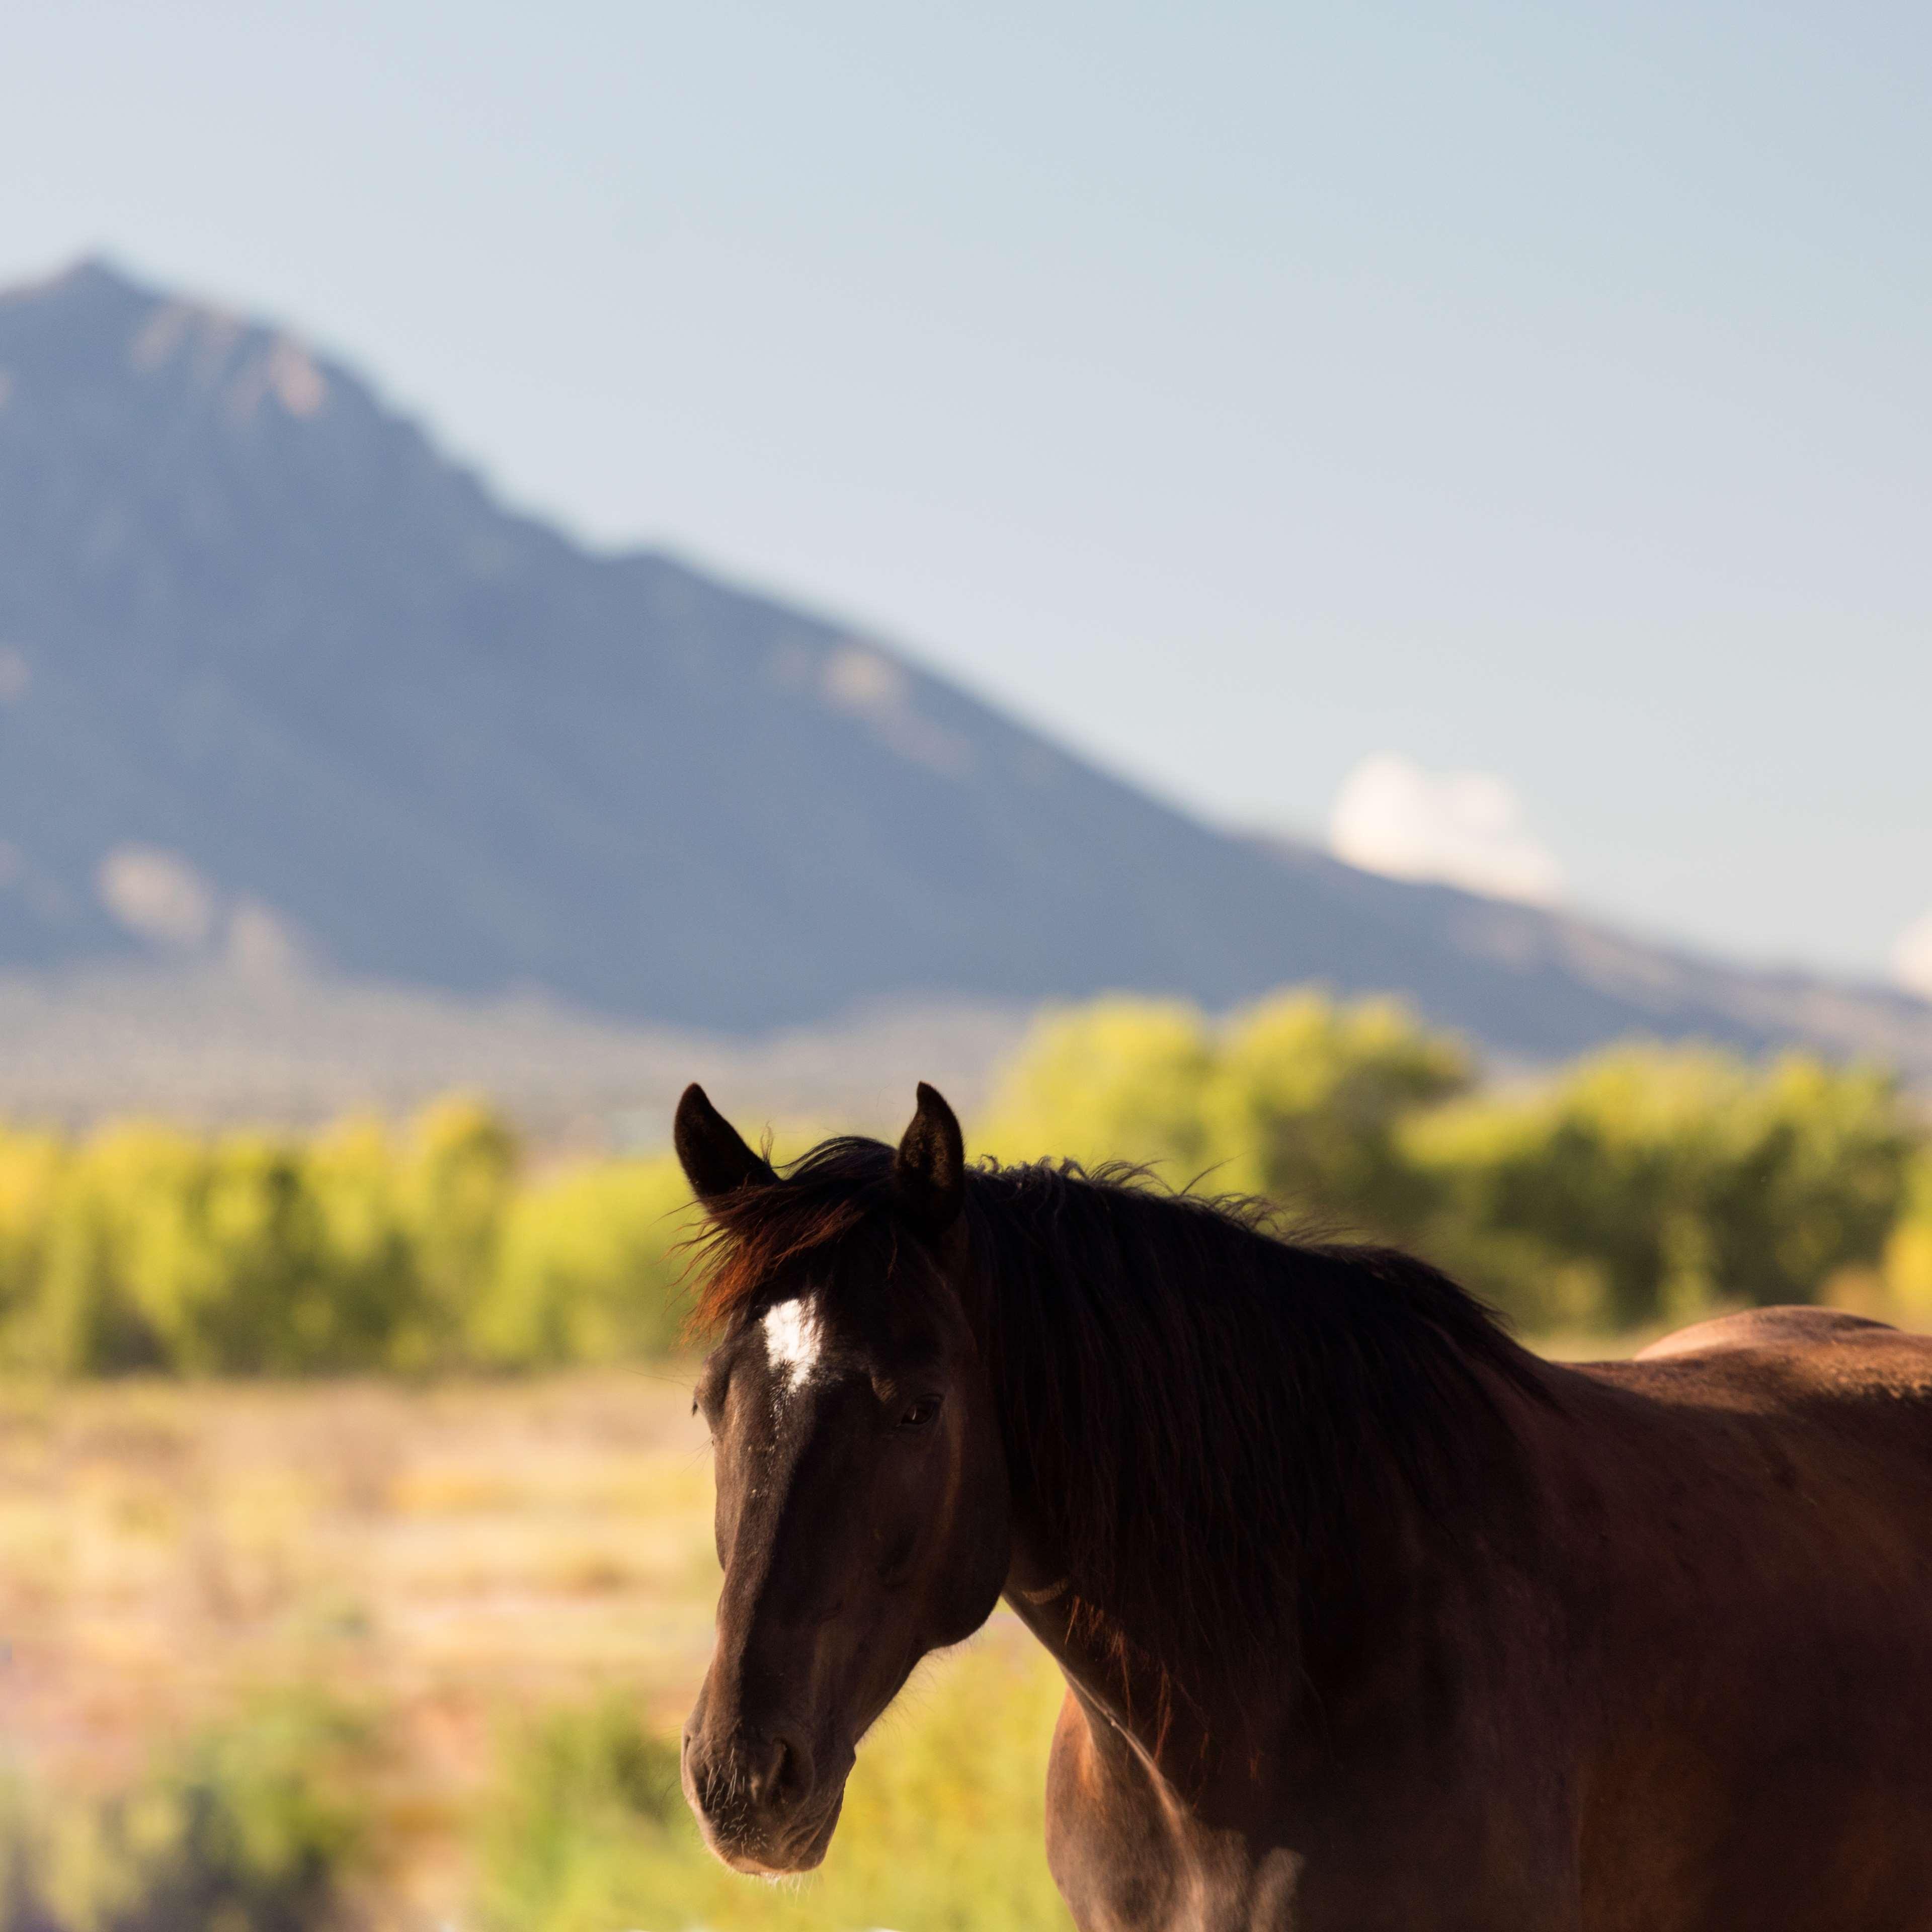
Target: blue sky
[(1244, 393)]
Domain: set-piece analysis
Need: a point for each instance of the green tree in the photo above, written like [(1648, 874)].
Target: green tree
[(461, 1171), (1306, 1103), (1908, 1253), (1119, 1078), (378, 1312), (1298, 1098), (1648, 1184), (589, 1268)]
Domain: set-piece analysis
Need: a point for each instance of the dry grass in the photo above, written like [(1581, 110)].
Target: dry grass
[(446, 1557)]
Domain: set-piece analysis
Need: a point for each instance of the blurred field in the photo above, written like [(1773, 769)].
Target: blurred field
[(283, 1658), (355, 1564), (488, 1579)]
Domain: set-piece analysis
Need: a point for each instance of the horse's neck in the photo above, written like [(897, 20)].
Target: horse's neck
[(1171, 1707), (1363, 1637), (1164, 1718)]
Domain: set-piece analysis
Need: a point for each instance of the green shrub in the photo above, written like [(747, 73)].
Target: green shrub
[(256, 1825), (942, 1830), (1298, 1098), (1648, 1183), (1119, 1078), (149, 1247), (1908, 1253), (589, 1269), (1308, 1102), (1641, 1185)]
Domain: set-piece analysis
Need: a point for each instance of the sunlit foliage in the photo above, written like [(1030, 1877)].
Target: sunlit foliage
[(1907, 1277), (258, 1825), (148, 1247), (589, 1268), (1649, 1185), (1640, 1186), (941, 1829), (1298, 1098)]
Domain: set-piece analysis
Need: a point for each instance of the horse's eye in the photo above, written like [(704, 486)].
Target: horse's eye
[(920, 1413)]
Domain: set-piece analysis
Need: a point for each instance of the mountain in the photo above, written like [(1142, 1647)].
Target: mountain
[(219, 1049), (281, 683)]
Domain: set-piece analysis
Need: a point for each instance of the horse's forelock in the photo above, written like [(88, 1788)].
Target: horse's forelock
[(753, 1234)]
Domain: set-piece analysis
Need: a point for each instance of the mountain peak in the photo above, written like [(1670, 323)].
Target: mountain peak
[(89, 280), (98, 273), (271, 668), (93, 323)]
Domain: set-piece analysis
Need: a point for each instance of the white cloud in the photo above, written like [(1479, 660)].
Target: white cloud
[(1465, 828), (158, 895), (1912, 957)]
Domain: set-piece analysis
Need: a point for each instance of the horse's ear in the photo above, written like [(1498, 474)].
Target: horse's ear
[(930, 1171), (711, 1151)]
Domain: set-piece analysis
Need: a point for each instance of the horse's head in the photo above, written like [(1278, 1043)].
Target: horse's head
[(862, 1501)]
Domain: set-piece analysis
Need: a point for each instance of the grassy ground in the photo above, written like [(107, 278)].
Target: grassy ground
[(498, 1579)]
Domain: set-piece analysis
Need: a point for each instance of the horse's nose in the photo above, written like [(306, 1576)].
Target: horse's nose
[(746, 1778), (777, 1772)]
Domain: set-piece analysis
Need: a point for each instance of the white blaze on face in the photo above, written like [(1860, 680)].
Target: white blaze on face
[(792, 1340)]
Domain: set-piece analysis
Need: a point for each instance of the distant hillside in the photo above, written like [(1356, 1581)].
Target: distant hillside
[(222, 1048), (281, 683)]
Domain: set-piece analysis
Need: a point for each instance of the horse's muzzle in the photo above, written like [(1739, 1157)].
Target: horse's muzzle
[(758, 1800)]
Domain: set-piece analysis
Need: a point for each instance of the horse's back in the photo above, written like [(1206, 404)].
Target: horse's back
[(1794, 1362), (1803, 1431), (1821, 1336), (1769, 1646)]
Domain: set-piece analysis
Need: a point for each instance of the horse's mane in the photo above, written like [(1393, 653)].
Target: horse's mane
[(1200, 1410)]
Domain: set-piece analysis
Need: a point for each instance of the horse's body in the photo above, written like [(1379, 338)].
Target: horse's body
[(1697, 1695), (1369, 1619)]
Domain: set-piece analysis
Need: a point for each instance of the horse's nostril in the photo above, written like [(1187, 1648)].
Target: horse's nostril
[(778, 1771), (768, 1769), (747, 1778)]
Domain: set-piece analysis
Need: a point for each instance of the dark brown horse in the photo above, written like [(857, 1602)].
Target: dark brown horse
[(1369, 1618)]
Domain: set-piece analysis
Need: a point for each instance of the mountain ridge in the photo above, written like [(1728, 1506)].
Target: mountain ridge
[(280, 681)]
